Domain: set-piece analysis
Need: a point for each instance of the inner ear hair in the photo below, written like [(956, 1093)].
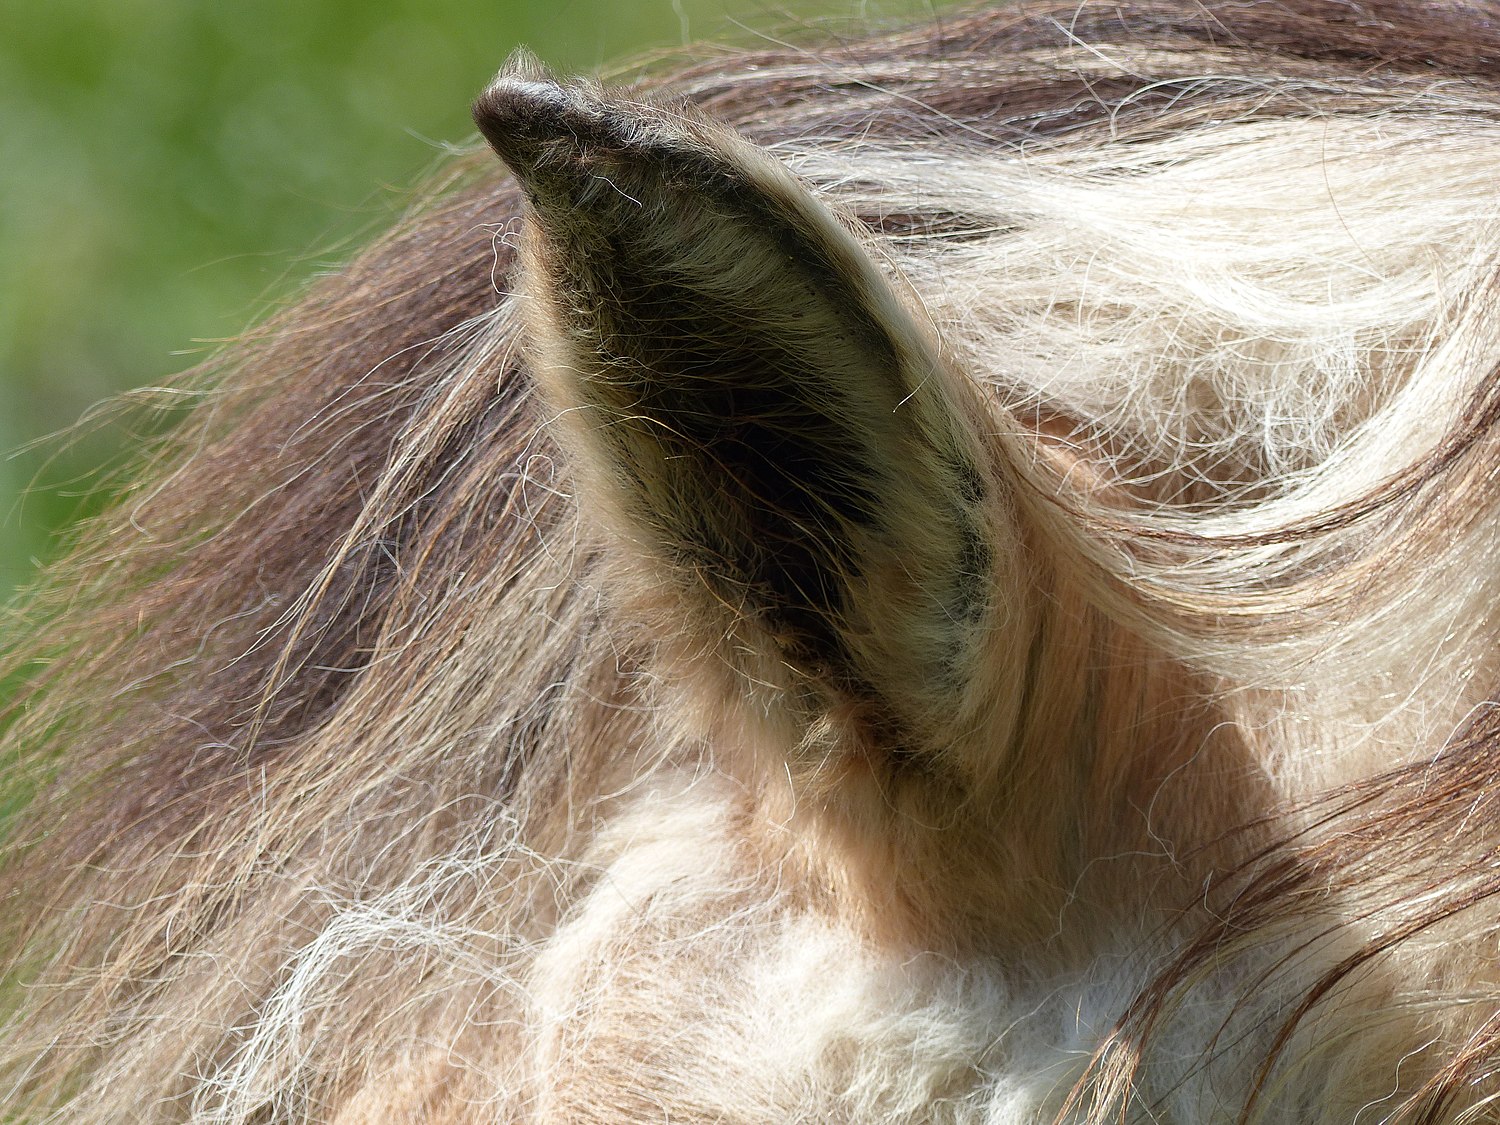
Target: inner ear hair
[(753, 409)]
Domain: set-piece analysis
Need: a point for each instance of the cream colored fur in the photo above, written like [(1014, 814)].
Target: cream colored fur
[(721, 891)]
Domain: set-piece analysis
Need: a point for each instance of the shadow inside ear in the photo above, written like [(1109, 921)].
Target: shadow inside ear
[(751, 405)]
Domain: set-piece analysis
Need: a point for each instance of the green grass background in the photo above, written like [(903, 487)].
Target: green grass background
[(170, 168)]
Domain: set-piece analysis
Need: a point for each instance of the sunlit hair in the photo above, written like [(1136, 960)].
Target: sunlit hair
[(944, 578)]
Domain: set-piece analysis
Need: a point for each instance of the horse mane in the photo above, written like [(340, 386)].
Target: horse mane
[(383, 744)]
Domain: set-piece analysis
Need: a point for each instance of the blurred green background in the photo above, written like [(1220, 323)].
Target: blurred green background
[(169, 168)]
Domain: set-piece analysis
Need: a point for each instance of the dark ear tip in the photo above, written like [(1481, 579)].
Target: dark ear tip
[(520, 110)]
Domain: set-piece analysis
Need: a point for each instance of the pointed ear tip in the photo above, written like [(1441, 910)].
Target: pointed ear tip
[(519, 109), (522, 63)]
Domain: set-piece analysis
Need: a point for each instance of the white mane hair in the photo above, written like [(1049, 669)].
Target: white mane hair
[(949, 578)]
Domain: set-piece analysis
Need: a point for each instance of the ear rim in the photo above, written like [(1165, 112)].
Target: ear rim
[(547, 132)]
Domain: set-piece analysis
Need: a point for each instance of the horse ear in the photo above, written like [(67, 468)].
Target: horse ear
[(756, 413)]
